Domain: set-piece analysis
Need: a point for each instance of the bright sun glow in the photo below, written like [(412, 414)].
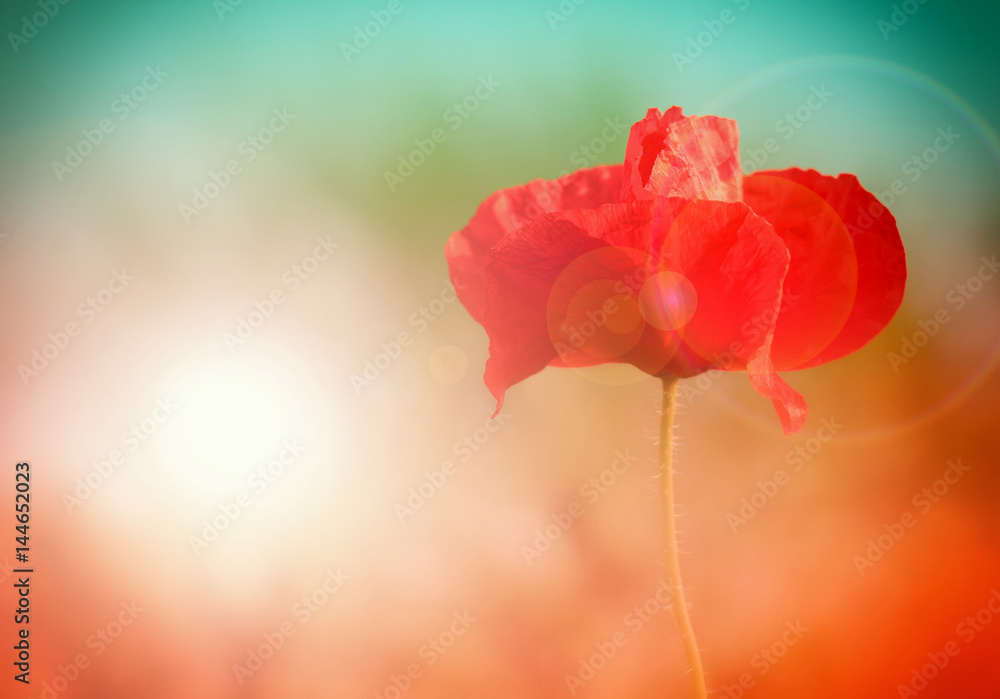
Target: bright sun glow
[(234, 413)]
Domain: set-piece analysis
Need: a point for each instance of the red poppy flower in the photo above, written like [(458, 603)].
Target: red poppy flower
[(677, 263)]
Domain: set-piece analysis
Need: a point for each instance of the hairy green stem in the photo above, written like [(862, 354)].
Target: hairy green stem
[(670, 538)]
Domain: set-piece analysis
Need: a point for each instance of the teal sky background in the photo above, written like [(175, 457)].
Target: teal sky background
[(560, 80)]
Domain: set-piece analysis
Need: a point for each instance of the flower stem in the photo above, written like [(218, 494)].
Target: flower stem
[(670, 537)]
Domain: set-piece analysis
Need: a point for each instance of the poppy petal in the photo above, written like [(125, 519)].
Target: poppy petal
[(731, 266), (736, 265), (816, 215), (559, 292), (822, 279), (506, 210), (789, 403), (676, 156), (523, 267), (645, 142), (594, 309), (699, 272)]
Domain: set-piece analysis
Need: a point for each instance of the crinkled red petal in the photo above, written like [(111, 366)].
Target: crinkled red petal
[(504, 211), (847, 270), (670, 155)]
